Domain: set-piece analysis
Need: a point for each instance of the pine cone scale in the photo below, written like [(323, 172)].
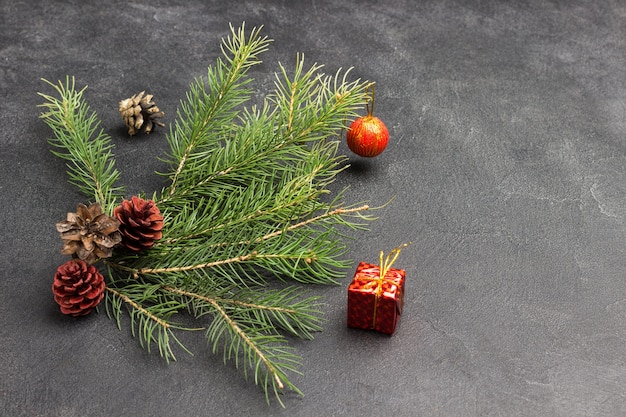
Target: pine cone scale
[(106, 224), (71, 234), (105, 241), (133, 222), (66, 227), (69, 247)]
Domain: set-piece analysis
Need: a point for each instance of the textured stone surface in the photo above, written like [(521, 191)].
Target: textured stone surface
[(507, 161)]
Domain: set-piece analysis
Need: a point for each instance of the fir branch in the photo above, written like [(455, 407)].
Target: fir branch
[(81, 141), (248, 200), (251, 341), (207, 109)]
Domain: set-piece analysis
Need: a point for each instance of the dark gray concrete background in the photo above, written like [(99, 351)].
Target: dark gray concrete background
[(507, 162)]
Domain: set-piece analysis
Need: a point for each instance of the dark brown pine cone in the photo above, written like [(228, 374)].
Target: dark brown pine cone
[(140, 111), (141, 223), (78, 287), (89, 234)]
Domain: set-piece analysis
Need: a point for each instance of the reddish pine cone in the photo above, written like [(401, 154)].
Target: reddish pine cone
[(78, 287), (140, 223)]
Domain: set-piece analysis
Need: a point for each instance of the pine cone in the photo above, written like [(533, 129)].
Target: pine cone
[(140, 223), (139, 111), (89, 234), (78, 287)]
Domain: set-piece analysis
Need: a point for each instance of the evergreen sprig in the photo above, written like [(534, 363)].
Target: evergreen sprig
[(205, 119), (248, 201), (79, 139)]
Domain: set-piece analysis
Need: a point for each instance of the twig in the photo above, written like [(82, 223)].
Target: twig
[(136, 306)]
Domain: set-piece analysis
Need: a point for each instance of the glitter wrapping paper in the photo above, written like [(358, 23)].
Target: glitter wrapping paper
[(375, 303)]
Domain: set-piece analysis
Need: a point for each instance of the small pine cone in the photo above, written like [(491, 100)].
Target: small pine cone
[(89, 234), (78, 287), (141, 223), (139, 111)]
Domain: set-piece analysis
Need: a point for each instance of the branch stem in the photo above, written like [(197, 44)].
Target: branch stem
[(173, 269), (136, 306), (227, 301), (306, 222), (251, 216)]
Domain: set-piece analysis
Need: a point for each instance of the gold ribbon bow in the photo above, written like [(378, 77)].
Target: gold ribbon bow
[(385, 265)]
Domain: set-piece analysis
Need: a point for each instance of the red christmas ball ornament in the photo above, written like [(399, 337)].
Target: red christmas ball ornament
[(368, 136)]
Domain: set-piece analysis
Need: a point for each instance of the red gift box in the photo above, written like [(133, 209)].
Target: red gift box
[(374, 301)]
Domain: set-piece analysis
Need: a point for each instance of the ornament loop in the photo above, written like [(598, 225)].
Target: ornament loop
[(369, 105)]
